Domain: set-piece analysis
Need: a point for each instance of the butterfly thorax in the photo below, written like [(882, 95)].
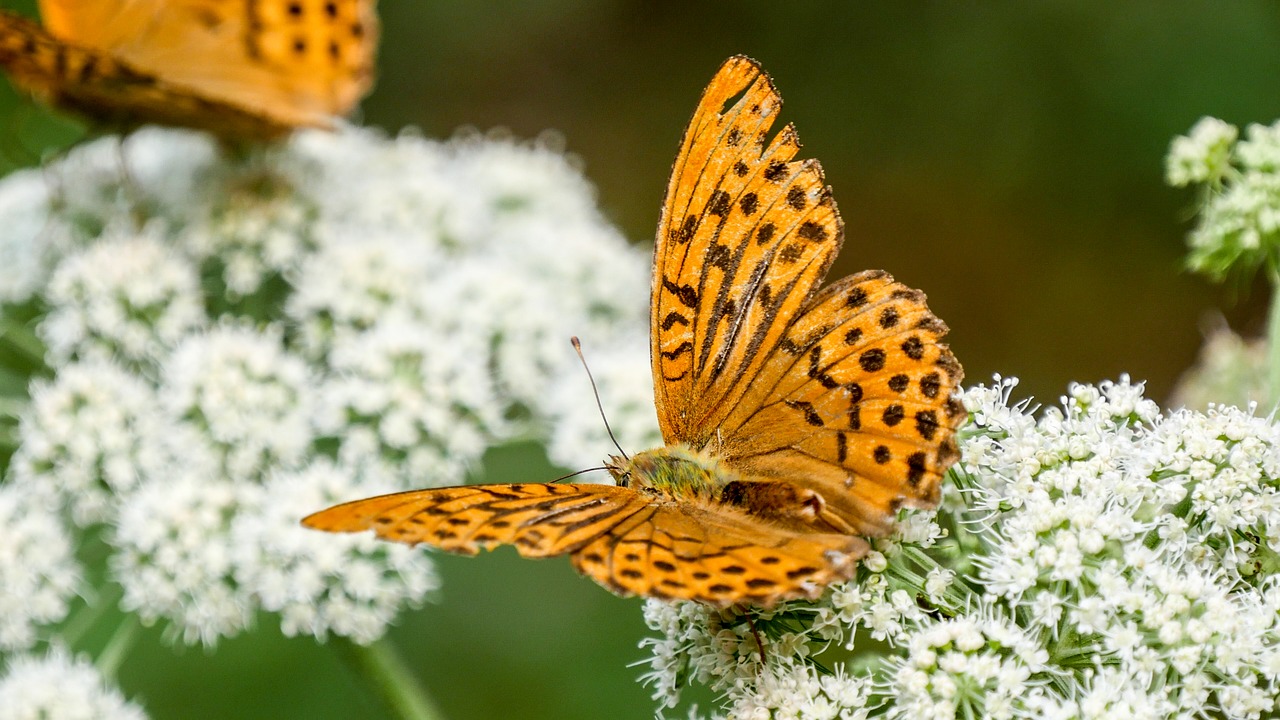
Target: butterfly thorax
[(677, 471)]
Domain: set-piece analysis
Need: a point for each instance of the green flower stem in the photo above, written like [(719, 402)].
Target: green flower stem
[(108, 661), (1273, 339), (88, 616), (384, 672), (20, 337)]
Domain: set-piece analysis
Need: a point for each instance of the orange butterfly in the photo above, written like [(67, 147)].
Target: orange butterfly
[(797, 420), (236, 68)]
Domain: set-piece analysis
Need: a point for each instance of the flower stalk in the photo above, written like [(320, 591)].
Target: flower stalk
[(382, 670), (117, 648)]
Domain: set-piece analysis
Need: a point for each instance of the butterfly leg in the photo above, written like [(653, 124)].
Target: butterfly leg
[(133, 196), (750, 614)]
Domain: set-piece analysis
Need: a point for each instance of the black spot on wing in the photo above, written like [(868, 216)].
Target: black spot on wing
[(913, 347), (796, 198), (872, 360), (811, 415), (810, 230), (687, 294), (719, 204), (672, 319), (684, 347)]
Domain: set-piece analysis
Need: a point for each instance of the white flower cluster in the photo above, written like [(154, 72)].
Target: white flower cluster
[(174, 557), (421, 408), (59, 686), (236, 342), (1239, 223), (361, 582), (90, 434), (1098, 560), (975, 661), (719, 649), (127, 298), (245, 394), (1202, 155), (26, 245), (38, 569), (254, 232), (1146, 539)]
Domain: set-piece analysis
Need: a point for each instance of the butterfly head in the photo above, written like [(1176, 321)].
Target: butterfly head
[(619, 466)]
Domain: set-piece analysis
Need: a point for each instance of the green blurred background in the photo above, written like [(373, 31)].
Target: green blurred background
[(1007, 157)]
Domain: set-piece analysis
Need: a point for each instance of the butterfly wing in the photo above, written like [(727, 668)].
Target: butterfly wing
[(85, 81), (540, 520), (747, 233), (715, 555), (630, 543), (233, 67), (298, 61), (847, 392), (857, 403)]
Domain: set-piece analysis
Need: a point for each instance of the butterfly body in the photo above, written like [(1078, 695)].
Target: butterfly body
[(798, 420), (678, 472)]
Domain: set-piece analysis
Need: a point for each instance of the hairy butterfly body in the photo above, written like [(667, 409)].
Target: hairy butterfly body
[(798, 421)]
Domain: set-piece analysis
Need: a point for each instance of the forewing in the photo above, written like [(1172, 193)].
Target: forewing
[(856, 403), (540, 520), (746, 235), (715, 555)]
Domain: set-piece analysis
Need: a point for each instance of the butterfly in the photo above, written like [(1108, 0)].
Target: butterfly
[(252, 69), (798, 420)]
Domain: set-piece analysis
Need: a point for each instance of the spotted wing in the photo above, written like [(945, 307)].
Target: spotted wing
[(715, 555), (87, 82), (857, 403), (746, 235), (847, 392), (238, 69), (298, 62), (627, 542), (539, 519)]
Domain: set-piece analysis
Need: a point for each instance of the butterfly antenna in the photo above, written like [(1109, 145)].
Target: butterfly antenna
[(578, 472), (578, 347)]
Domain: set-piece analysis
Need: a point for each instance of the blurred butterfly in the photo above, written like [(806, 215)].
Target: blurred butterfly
[(237, 68), (798, 421)]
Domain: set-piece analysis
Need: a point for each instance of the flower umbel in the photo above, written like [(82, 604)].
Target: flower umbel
[(1240, 210), (1100, 557), (38, 570), (59, 686), (235, 341)]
